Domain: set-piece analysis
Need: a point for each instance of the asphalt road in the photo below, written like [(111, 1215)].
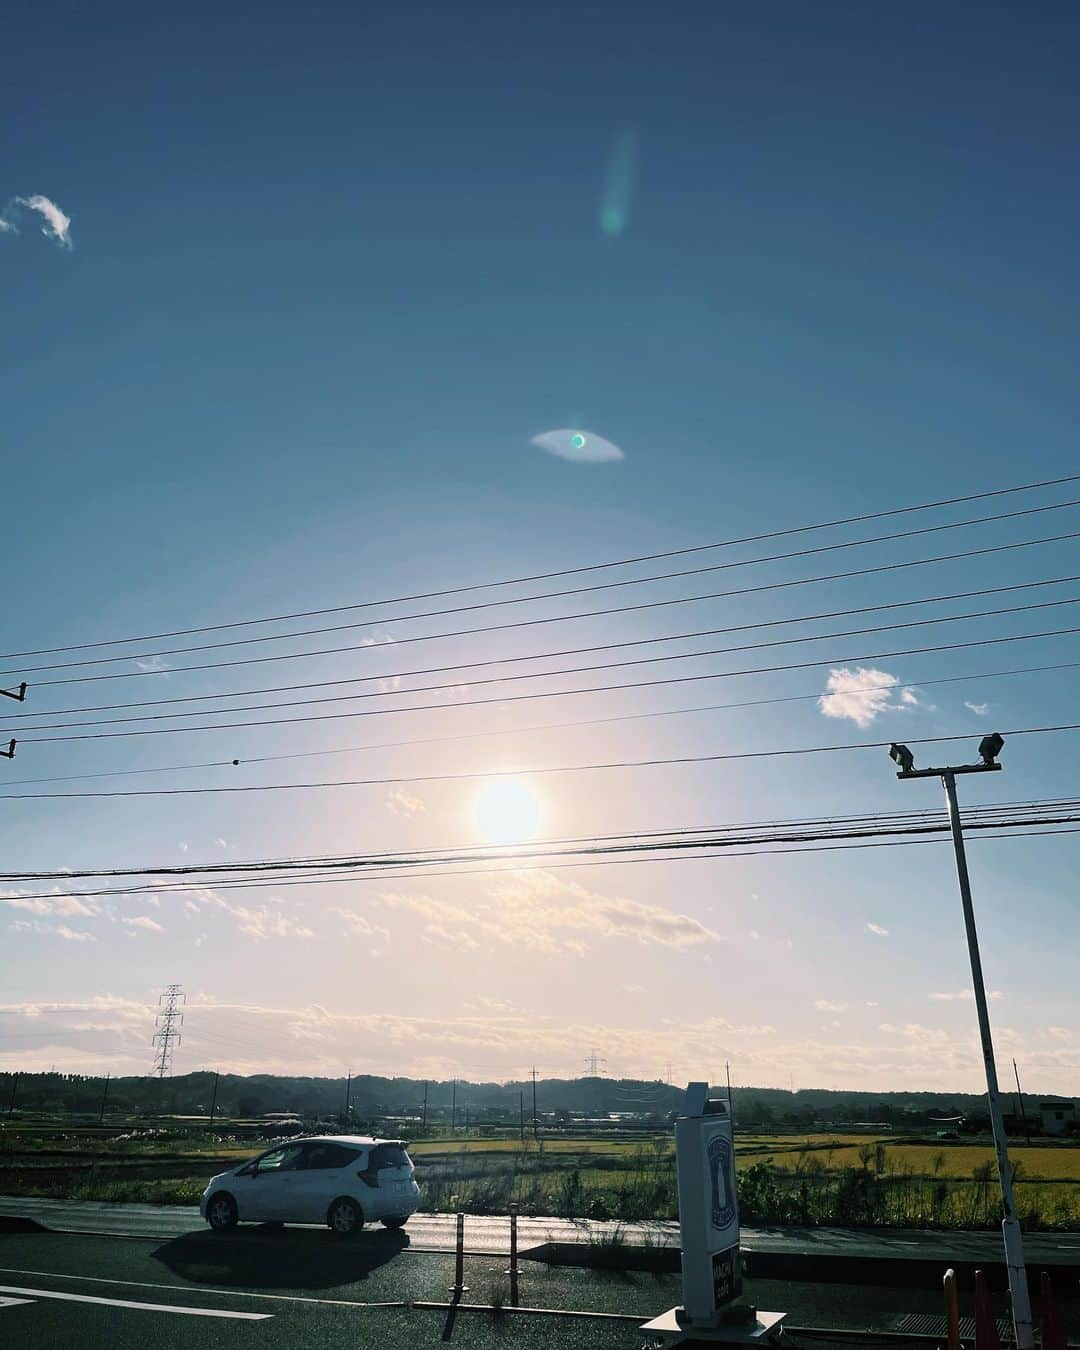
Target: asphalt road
[(484, 1233), (305, 1288)]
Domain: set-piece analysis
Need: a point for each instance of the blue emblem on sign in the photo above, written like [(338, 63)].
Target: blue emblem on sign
[(722, 1181)]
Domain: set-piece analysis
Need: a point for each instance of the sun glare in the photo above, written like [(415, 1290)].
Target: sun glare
[(507, 811)]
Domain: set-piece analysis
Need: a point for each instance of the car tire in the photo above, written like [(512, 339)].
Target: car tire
[(345, 1217), (396, 1221), (221, 1212)]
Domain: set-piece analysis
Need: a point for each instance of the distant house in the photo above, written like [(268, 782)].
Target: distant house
[(1057, 1117)]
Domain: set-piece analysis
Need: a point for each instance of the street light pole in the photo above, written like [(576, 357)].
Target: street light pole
[(1010, 1225)]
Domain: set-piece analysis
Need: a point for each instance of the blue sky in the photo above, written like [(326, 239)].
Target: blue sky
[(327, 279)]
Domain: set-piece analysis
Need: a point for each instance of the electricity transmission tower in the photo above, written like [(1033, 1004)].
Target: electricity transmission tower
[(168, 1022), (595, 1064)]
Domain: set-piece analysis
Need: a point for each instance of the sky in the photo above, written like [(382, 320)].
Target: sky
[(310, 311)]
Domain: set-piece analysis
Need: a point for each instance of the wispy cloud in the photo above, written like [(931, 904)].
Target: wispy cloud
[(144, 922), (359, 925), (549, 914), (56, 225), (979, 709), (828, 1006), (863, 694), (877, 930), (581, 447), (957, 995), (402, 803)]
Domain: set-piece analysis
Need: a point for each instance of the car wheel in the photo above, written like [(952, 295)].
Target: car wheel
[(221, 1212), (344, 1217), (397, 1221)]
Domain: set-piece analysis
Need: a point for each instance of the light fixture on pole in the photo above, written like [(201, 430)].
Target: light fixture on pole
[(989, 748)]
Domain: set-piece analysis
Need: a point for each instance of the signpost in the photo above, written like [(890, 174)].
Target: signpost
[(712, 1310)]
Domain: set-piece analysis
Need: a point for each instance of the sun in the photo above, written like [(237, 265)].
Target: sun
[(507, 812)]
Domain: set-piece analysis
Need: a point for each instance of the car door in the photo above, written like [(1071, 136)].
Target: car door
[(323, 1175), (267, 1195)]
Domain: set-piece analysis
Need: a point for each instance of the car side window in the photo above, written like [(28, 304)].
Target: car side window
[(281, 1159), (328, 1157)]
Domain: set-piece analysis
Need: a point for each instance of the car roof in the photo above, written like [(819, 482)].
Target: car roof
[(356, 1140)]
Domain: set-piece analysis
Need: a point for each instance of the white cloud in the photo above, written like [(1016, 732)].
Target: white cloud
[(582, 447), (73, 934), (152, 665), (962, 994), (871, 1003), (827, 1006), (402, 803), (68, 906), (549, 914), (877, 930), (144, 922), (57, 225), (863, 694), (979, 709), (359, 925)]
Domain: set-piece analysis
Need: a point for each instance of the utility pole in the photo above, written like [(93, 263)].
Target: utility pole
[(989, 749), (521, 1108), (213, 1101), (348, 1099), (595, 1064), (730, 1103), (14, 1089), (168, 1022), (1020, 1098), (423, 1118), (104, 1094), (453, 1106), (536, 1120)]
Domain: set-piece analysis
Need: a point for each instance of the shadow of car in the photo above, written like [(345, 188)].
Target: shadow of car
[(288, 1258)]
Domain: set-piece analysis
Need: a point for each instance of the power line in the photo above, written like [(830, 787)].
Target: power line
[(568, 670), (570, 651), (552, 575), (706, 835), (554, 693), (516, 772), (563, 618), (520, 731), (1037, 826)]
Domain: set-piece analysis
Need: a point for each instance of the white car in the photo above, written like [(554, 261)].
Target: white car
[(343, 1180)]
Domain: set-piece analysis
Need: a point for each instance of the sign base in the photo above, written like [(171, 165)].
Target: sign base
[(671, 1331)]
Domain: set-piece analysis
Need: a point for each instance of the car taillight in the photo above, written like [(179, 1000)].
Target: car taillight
[(368, 1177)]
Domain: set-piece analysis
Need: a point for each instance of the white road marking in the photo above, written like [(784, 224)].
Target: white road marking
[(13, 1302), (205, 1289), (145, 1307)]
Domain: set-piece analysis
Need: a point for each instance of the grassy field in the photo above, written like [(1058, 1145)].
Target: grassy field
[(840, 1178)]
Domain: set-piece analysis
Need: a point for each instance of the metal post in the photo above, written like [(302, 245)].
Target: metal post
[(423, 1120), (348, 1099), (459, 1286), (513, 1271), (104, 1094), (213, 1101), (536, 1122), (453, 1107), (952, 1311), (1010, 1226), (521, 1109)]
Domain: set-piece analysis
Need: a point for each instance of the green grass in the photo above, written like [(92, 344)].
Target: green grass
[(821, 1178)]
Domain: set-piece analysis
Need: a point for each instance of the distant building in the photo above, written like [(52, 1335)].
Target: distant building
[(1057, 1117)]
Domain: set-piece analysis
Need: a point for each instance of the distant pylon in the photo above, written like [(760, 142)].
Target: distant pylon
[(595, 1064), (168, 1022)]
